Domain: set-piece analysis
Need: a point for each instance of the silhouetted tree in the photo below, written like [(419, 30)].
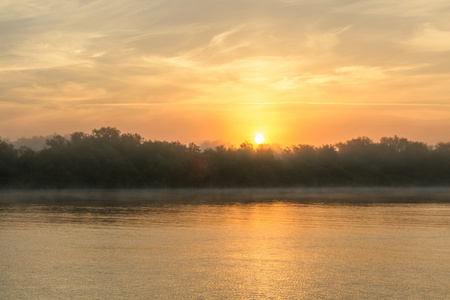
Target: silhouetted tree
[(106, 158), (8, 163)]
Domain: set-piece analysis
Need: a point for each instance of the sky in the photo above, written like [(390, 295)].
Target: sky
[(298, 72)]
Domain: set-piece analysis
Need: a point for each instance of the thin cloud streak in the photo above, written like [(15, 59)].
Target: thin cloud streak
[(348, 103)]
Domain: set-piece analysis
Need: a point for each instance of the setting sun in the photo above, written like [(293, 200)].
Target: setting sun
[(259, 139)]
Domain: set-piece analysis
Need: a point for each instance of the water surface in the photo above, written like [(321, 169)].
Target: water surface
[(225, 244)]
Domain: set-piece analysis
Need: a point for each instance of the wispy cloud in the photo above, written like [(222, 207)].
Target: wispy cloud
[(428, 38)]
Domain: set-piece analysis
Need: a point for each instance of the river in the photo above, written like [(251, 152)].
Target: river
[(225, 244)]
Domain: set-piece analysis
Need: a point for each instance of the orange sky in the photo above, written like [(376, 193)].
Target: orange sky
[(300, 72)]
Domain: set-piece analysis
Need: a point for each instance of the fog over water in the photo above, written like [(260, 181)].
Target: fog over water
[(227, 195), (216, 244)]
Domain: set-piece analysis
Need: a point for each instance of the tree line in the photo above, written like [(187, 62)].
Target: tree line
[(106, 158)]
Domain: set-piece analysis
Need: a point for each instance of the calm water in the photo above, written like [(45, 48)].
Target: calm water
[(234, 244)]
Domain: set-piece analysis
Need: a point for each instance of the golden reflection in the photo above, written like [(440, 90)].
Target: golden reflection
[(215, 249), (265, 255)]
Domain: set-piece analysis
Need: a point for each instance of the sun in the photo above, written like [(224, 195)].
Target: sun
[(259, 139)]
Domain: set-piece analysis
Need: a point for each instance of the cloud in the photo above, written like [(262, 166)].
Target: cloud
[(358, 73), (401, 8), (88, 57), (325, 41), (428, 38)]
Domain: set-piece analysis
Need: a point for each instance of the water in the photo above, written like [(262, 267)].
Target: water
[(225, 244)]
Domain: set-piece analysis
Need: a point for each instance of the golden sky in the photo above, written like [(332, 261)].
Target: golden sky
[(298, 71)]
